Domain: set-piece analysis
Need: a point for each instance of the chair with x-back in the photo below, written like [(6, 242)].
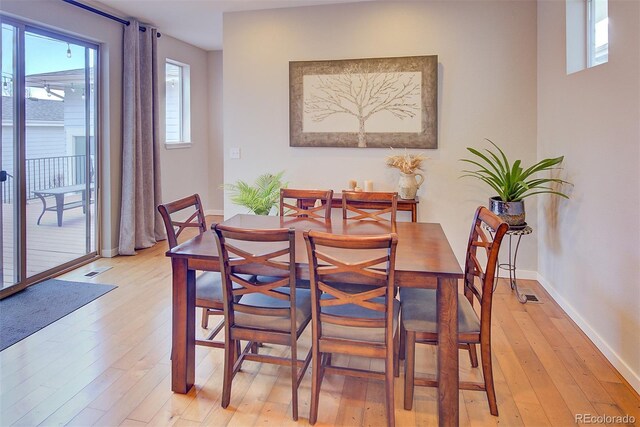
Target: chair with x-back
[(208, 284), (361, 323), (272, 312), (370, 205), (306, 203), (419, 310)]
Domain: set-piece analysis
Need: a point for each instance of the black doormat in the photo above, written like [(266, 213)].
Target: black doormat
[(30, 310)]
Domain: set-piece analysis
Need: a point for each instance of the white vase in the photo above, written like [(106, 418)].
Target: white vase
[(408, 185)]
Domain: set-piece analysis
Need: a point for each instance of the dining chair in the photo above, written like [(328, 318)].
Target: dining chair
[(272, 312), (372, 205), (419, 310), (208, 284), (358, 324), (301, 209)]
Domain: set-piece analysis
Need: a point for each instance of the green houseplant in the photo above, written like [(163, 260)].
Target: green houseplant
[(511, 181), (260, 197)]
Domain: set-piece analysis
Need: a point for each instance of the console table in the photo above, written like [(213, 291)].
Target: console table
[(404, 205)]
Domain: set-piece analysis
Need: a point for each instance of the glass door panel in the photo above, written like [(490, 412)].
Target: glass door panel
[(59, 160)]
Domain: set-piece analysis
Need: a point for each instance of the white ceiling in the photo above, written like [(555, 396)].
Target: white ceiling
[(197, 22)]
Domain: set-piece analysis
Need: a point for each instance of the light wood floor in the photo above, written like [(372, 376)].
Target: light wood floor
[(107, 364)]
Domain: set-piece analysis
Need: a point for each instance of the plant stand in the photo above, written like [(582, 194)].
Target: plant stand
[(510, 266)]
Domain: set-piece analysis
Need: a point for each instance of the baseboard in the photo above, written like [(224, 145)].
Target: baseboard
[(109, 253), (219, 212), (623, 368)]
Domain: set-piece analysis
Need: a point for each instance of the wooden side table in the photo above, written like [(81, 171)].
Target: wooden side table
[(510, 266)]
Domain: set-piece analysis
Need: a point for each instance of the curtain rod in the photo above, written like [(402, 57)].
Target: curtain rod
[(105, 14)]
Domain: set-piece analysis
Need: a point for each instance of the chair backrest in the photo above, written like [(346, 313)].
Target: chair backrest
[(306, 203), (256, 252), (359, 205), (193, 207), (474, 271), (366, 260)]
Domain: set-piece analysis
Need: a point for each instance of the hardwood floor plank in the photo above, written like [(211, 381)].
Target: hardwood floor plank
[(75, 405)]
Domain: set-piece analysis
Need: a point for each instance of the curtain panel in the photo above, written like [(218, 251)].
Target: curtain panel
[(140, 223)]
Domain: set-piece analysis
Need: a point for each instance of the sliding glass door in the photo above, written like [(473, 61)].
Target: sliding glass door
[(49, 153)]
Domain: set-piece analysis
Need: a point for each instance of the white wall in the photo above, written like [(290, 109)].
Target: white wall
[(185, 170), (487, 88), (216, 151), (589, 246)]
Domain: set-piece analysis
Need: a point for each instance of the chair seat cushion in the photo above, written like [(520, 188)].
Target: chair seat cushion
[(276, 323), (420, 314), (377, 335), (209, 286)]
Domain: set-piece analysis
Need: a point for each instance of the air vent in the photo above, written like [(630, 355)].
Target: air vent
[(530, 296), (96, 271)]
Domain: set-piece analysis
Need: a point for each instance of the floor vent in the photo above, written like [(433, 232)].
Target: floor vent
[(96, 271), (530, 296)]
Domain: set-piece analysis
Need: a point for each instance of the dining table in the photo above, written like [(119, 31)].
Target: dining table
[(424, 259)]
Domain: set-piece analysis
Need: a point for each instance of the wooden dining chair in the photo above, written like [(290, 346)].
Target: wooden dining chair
[(306, 203), (269, 312), (419, 310), (208, 284), (358, 324), (374, 205)]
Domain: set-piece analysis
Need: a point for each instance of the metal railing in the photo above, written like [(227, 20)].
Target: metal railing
[(7, 189), (50, 172)]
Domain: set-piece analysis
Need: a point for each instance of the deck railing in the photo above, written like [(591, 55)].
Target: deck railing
[(44, 173)]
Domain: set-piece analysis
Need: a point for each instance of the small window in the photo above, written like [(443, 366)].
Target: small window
[(177, 95), (598, 32), (587, 34)]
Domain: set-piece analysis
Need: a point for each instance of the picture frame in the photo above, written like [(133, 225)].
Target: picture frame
[(364, 103)]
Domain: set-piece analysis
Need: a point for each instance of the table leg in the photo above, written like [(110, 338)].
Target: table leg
[(447, 301), (59, 207), (183, 333), (414, 213), (44, 206)]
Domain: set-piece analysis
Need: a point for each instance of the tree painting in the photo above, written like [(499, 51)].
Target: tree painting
[(360, 94), (364, 102)]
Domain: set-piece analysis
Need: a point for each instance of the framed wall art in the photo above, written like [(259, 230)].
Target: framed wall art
[(374, 102)]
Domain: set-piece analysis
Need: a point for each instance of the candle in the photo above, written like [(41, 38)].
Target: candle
[(368, 186), (353, 184)]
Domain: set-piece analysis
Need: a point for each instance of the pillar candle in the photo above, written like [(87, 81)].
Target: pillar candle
[(368, 186)]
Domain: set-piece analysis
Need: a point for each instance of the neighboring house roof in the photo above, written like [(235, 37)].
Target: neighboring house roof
[(42, 110)]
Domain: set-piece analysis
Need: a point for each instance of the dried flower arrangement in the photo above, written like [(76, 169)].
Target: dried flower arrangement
[(407, 163)]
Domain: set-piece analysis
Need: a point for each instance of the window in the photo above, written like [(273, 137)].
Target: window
[(587, 34), (177, 95), (597, 32)]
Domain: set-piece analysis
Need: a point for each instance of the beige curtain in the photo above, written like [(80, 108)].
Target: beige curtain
[(140, 223)]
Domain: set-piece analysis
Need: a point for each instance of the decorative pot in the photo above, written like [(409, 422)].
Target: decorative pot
[(408, 185), (511, 212)]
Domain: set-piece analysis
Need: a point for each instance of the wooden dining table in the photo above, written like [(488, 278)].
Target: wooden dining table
[(424, 259)]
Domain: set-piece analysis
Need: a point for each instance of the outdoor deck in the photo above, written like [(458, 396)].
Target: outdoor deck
[(47, 244)]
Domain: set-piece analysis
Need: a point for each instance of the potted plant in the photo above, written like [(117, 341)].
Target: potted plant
[(512, 182), (261, 197), (408, 165)]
